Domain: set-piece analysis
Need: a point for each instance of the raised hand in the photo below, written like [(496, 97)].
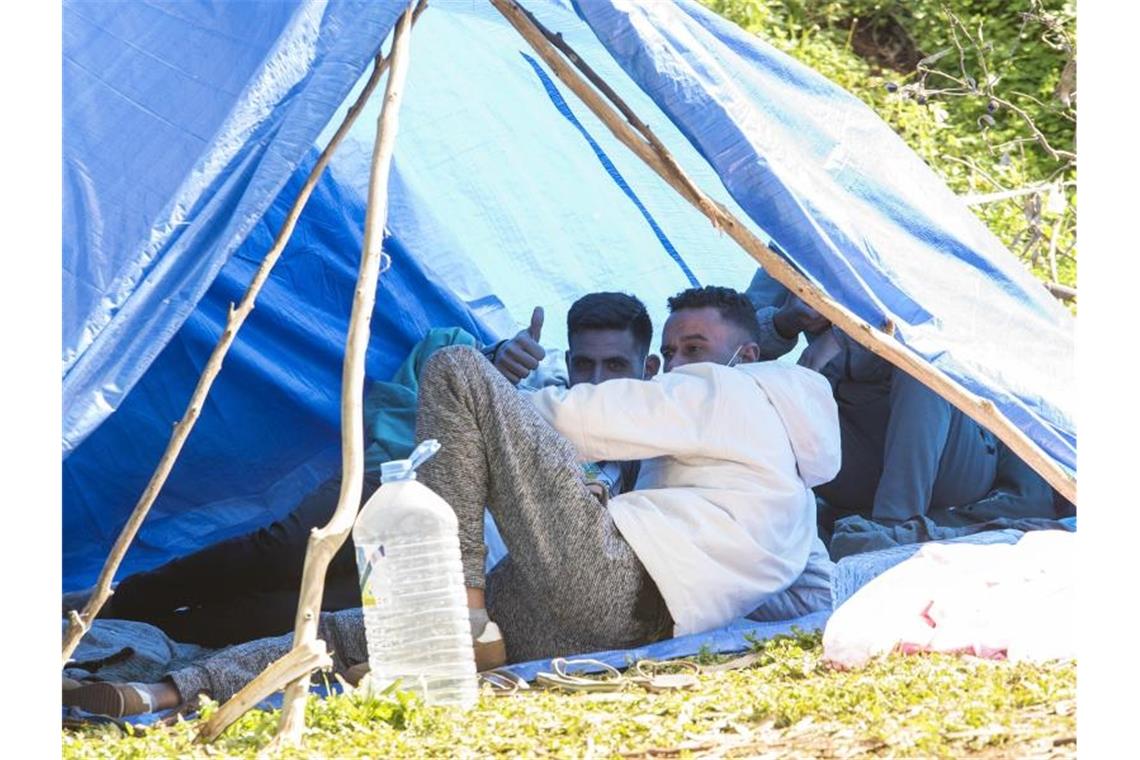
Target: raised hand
[(795, 317), (520, 355)]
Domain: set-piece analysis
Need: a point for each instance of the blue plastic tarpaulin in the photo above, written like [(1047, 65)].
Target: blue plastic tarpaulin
[(189, 129), (182, 122)]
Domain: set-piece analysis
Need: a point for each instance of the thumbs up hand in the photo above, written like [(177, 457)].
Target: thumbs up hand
[(535, 329), (516, 358)]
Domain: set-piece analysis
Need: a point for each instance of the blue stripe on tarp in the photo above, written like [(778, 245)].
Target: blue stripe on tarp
[(564, 109), (734, 637)]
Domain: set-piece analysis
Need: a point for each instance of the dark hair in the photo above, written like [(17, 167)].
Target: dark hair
[(612, 311), (733, 306)]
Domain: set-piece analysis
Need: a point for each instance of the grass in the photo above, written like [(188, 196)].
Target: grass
[(787, 704)]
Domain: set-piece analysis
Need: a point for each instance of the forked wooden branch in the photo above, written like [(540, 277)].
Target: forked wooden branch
[(302, 660), (79, 623), (324, 542), (880, 340)]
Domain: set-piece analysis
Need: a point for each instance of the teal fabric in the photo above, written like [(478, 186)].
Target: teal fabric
[(390, 408)]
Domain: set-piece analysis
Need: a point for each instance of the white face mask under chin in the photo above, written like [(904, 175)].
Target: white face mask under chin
[(735, 355)]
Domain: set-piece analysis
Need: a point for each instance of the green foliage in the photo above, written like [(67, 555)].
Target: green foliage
[(1004, 127), (706, 656), (790, 657), (788, 704)]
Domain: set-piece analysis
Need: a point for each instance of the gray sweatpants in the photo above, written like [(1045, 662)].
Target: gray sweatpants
[(570, 582), (225, 672)]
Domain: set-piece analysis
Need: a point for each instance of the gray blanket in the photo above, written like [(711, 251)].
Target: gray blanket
[(127, 650), (856, 535)]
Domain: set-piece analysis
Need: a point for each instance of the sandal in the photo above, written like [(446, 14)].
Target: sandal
[(649, 675), (561, 679), (503, 683)]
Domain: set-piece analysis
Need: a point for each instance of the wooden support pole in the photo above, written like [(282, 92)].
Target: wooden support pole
[(324, 542), (80, 622), (879, 340)]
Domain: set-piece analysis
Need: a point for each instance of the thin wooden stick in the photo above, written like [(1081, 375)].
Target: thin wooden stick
[(978, 200), (79, 623), (877, 340), (310, 656), (324, 542), (1064, 292), (1053, 249)]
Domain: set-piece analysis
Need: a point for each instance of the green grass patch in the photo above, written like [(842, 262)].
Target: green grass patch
[(786, 704)]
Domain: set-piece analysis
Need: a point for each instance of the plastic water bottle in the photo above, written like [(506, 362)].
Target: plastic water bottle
[(411, 582)]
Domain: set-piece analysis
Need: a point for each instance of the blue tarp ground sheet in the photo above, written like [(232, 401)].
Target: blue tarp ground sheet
[(189, 129), (735, 637)]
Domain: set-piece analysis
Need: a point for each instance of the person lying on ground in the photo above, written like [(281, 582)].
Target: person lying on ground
[(247, 587), (907, 452), (721, 523)]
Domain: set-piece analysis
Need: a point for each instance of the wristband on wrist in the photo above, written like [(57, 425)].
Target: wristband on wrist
[(492, 350)]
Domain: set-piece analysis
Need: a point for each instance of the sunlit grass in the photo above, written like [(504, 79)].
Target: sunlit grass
[(786, 704)]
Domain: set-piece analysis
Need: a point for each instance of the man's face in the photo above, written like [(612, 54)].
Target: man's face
[(703, 335), (599, 355)]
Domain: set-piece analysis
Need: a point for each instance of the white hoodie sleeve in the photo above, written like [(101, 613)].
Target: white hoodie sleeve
[(638, 419)]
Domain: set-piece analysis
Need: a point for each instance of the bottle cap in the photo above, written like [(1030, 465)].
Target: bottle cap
[(405, 469)]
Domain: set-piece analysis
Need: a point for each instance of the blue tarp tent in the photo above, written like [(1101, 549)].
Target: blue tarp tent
[(189, 129)]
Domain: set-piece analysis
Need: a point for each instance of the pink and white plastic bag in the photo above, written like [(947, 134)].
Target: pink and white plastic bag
[(1012, 601)]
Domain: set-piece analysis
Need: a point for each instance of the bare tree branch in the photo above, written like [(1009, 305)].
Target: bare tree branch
[(324, 542)]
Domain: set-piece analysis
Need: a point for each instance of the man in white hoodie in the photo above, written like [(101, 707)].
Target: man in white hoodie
[(722, 523), (722, 519)]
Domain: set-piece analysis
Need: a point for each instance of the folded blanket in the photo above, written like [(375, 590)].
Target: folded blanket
[(128, 650), (856, 535)]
